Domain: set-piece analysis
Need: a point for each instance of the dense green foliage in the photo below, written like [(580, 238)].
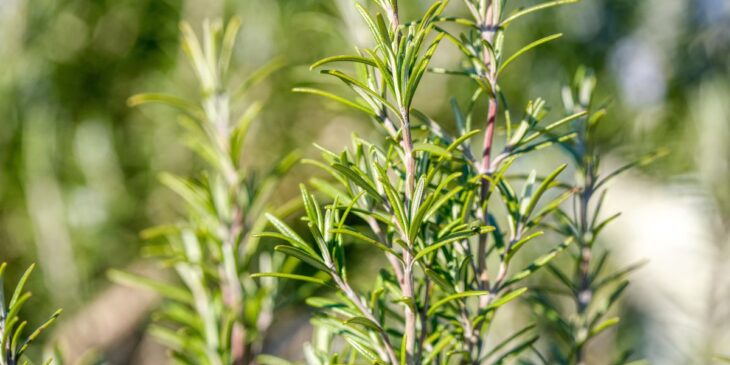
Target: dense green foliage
[(424, 200)]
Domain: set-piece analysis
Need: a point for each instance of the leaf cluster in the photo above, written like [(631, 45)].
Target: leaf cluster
[(436, 213), (14, 342), (591, 286), (218, 314)]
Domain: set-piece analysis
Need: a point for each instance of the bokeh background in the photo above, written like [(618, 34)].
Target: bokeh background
[(78, 167)]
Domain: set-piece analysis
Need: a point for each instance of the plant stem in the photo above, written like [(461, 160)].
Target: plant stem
[(407, 281), (584, 294), (218, 113), (231, 288), (410, 161), (483, 213), (393, 16), (410, 314), (487, 34)]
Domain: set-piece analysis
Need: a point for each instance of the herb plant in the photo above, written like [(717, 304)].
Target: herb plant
[(219, 315), (570, 331), (13, 343), (439, 214)]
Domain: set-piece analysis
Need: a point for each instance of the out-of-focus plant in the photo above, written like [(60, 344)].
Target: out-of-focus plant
[(219, 315), (571, 330), (423, 200), (13, 343)]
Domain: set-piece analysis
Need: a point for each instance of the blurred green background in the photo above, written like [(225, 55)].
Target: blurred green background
[(78, 167)]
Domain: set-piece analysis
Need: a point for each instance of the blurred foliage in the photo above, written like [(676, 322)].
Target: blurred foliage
[(220, 315), (75, 159)]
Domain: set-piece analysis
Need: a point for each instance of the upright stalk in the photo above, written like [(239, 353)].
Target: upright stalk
[(486, 31), (216, 245), (584, 293), (217, 110), (409, 158), (407, 281), (409, 161)]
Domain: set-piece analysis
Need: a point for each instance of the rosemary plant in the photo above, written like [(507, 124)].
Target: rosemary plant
[(437, 213), (13, 344), (572, 330), (219, 315)]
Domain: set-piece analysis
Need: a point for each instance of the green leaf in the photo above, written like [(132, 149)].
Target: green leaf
[(3, 266), (553, 126), (359, 180), (421, 69), (304, 256), (604, 326), (526, 48), (179, 103), (33, 336), (259, 75), (334, 97), (515, 351), (14, 310), (445, 343), (534, 8), (344, 58), (166, 290), (504, 299), (431, 14), (289, 234), (192, 193), (546, 183), (442, 282), (508, 340), (372, 241), (15, 339), (380, 39), (20, 286), (394, 199), (355, 84), (364, 322), (607, 303), (415, 203), (309, 205), (432, 149), (516, 246), (620, 275), (537, 264), (457, 142), (643, 161), (191, 47), (229, 41), (457, 236), (429, 206), (272, 360), (290, 276), (472, 293), (364, 351), (443, 199)]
